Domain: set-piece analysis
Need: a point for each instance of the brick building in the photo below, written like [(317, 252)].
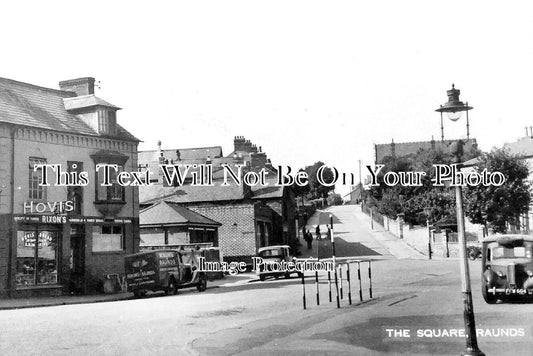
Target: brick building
[(246, 224), (55, 239), (251, 217), (401, 149)]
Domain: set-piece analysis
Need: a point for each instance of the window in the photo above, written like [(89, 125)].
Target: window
[(108, 238), (107, 121), (37, 257), (36, 191), (75, 193), (114, 192), (510, 252)]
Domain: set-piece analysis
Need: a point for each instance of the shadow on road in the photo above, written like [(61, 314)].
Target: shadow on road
[(342, 249)]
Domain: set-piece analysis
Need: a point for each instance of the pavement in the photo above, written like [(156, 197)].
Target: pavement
[(355, 237), (36, 302)]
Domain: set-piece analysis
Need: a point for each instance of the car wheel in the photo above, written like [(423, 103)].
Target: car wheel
[(202, 284), (488, 296), (172, 288), (472, 254)]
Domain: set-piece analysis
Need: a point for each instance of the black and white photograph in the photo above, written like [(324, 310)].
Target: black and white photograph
[(266, 178)]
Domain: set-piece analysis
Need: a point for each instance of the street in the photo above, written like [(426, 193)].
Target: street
[(416, 309)]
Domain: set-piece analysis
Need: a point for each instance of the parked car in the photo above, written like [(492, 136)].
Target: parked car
[(162, 270), (274, 255), (507, 267)]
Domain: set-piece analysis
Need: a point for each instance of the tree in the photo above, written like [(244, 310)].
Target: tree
[(316, 189), (334, 199), (496, 206), (300, 190), (417, 203)]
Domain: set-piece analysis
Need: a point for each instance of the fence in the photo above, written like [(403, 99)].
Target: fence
[(442, 244)]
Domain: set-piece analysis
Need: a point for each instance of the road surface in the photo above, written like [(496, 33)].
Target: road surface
[(411, 296)]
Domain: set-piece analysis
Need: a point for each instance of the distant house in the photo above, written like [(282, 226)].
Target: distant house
[(523, 148), (355, 195)]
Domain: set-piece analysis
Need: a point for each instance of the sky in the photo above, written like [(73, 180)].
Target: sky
[(306, 80)]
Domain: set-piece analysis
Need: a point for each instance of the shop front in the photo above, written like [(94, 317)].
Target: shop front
[(37, 254), (55, 255)]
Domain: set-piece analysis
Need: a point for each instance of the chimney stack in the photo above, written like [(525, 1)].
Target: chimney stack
[(238, 143), (80, 86)]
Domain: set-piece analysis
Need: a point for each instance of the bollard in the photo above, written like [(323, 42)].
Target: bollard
[(349, 285), (303, 287), (317, 289), (340, 278), (370, 278), (359, 277), (336, 283), (329, 283)]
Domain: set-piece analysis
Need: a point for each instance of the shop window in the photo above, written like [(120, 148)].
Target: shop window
[(36, 191), (113, 192), (37, 257), (108, 238)]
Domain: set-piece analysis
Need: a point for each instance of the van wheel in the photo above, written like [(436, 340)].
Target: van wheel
[(202, 284), (172, 288), (139, 293)]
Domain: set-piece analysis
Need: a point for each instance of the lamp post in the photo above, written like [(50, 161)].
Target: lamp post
[(427, 211), (453, 108), (333, 254)]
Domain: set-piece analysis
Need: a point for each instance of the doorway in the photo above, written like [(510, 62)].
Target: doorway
[(77, 260)]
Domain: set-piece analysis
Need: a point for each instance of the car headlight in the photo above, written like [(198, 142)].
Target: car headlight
[(500, 274), (529, 273)]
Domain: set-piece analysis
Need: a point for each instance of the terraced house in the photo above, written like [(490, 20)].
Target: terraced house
[(58, 239)]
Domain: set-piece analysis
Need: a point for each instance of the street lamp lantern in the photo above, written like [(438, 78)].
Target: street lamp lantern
[(453, 109), (454, 105)]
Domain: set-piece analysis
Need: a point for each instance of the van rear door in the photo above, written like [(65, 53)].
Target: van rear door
[(141, 271)]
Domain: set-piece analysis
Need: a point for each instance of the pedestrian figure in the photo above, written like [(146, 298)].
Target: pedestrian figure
[(309, 239), (317, 231), (329, 232)]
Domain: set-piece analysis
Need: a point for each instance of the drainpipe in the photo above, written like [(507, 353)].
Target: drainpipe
[(12, 208)]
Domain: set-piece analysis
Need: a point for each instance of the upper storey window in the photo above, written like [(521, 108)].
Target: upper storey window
[(36, 191), (107, 122)]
